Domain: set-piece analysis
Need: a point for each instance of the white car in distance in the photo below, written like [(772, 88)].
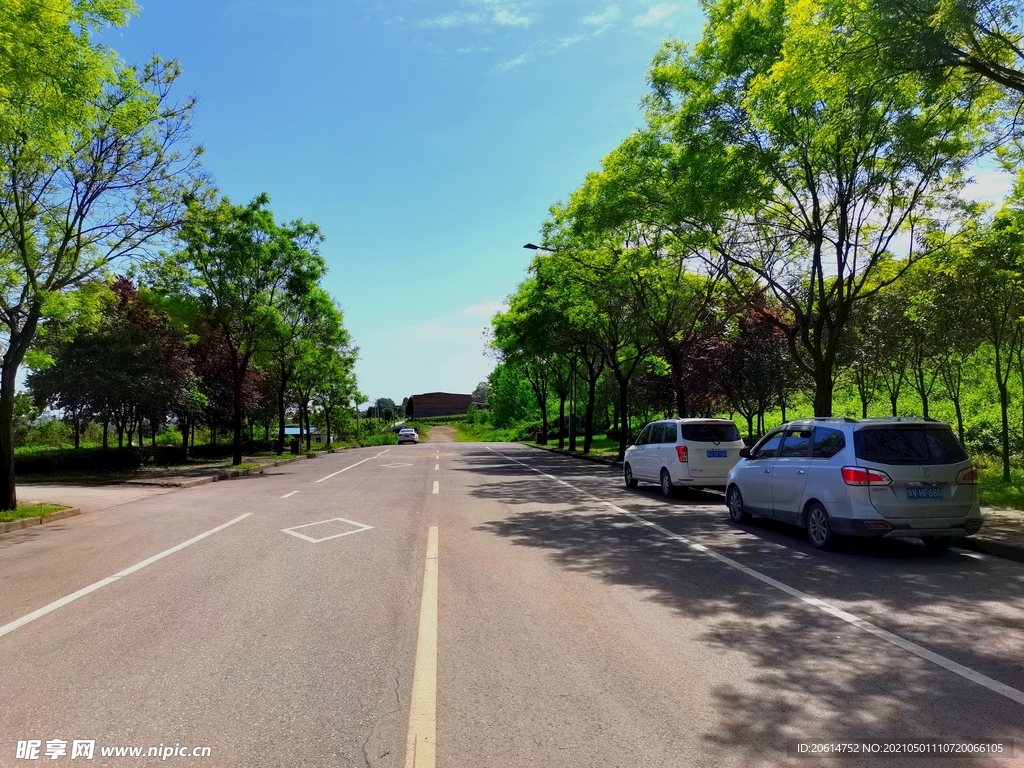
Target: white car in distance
[(408, 435)]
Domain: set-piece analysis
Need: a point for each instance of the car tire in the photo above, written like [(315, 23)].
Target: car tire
[(627, 476), (734, 500), (819, 526), (666, 484), (937, 543)]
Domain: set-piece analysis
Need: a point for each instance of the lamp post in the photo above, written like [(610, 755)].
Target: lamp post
[(532, 247)]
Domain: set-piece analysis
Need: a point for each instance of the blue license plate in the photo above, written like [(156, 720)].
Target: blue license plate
[(718, 454), (924, 493)]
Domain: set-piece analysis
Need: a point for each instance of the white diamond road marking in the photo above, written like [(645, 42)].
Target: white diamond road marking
[(360, 527)]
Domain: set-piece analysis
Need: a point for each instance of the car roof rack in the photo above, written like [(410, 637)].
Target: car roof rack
[(845, 419), (902, 418)]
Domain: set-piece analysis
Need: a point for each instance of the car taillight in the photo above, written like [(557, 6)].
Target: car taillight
[(862, 476), (681, 452), (968, 476)]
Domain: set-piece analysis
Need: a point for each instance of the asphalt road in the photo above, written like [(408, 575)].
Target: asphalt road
[(564, 621)]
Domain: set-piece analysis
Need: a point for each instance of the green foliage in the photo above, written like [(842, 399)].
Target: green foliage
[(511, 396)]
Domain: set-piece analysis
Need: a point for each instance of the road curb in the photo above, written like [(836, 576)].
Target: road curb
[(992, 547), (27, 522), (580, 456)]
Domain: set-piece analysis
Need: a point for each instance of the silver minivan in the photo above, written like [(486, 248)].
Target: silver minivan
[(894, 478), (686, 453)]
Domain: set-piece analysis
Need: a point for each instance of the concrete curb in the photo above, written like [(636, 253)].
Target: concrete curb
[(994, 547), (581, 456), (26, 522), (229, 474)]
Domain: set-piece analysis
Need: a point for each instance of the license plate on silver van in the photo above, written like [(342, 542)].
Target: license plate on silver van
[(718, 454), (924, 493)]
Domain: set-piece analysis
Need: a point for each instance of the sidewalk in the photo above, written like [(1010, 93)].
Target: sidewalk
[(1002, 534), (186, 477)]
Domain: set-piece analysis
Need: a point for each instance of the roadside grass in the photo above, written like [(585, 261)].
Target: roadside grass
[(30, 510), (602, 446), (243, 465), (483, 433), (992, 490)]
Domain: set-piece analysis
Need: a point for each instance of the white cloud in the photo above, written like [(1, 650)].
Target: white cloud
[(452, 20), (540, 48), (513, 63), (500, 12), (656, 15), (611, 13), (486, 308), (511, 17)]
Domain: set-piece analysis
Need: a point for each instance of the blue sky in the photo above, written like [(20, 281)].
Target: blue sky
[(427, 139)]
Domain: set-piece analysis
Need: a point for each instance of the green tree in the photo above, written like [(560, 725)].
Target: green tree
[(243, 268), (839, 159), (988, 277), (78, 195), (979, 37)]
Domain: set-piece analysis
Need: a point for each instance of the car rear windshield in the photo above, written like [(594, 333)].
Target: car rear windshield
[(908, 445), (710, 433)]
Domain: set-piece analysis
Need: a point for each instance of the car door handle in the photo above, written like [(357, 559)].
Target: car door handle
[(800, 472), (766, 471)]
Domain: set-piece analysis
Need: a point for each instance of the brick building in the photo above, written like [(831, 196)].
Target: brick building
[(438, 404)]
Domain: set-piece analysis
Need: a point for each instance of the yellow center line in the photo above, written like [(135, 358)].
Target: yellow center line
[(421, 746)]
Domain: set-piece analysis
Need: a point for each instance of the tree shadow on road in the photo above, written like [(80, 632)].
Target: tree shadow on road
[(817, 668)]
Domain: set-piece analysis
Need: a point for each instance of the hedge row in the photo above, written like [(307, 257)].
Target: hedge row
[(47, 462)]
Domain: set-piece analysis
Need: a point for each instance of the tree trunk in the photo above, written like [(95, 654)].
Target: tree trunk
[(1004, 408), (959, 419), (106, 426), (280, 416), (308, 430), (8, 389), (236, 423), (624, 412), (588, 414), (76, 428), (561, 421), (184, 424), (327, 417), (750, 425), (823, 394)]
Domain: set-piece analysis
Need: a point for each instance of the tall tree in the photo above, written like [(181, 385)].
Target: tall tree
[(841, 159), (77, 196), (243, 268)]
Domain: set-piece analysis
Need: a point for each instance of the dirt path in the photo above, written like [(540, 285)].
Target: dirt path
[(440, 434)]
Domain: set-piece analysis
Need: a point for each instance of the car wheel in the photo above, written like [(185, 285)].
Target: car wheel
[(819, 527), (666, 484), (734, 500), (627, 474), (937, 543)]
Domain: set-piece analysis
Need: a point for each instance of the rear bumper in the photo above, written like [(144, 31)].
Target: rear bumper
[(958, 530)]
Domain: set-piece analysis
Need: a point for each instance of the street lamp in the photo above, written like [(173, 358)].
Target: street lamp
[(533, 247)]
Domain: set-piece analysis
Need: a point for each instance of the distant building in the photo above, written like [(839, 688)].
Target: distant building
[(437, 404)]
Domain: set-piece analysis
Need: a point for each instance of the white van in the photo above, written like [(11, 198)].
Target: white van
[(683, 453)]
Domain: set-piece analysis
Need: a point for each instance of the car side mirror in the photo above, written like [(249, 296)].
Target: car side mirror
[(744, 452)]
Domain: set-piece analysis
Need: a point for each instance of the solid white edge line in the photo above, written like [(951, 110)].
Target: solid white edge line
[(110, 579), (893, 639), (346, 469), (289, 494)]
